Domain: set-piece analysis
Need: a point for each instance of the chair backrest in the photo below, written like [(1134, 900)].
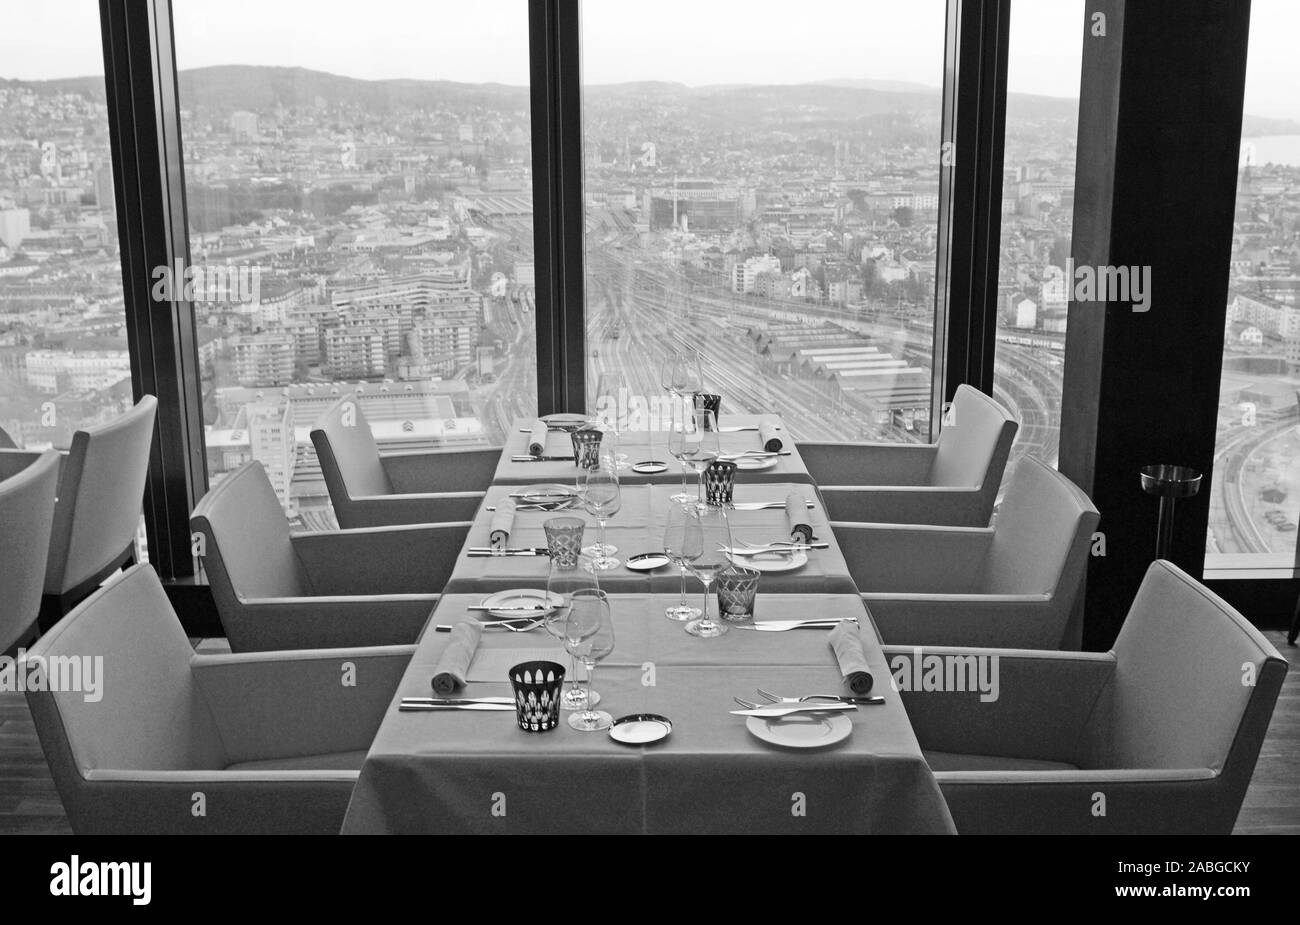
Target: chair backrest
[(1194, 682), (246, 547), (143, 712), (101, 489), (1041, 535), (6, 441), (972, 449), (348, 454), (26, 517)]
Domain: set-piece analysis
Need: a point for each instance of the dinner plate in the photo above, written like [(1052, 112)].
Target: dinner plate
[(517, 598), (647, 561), (802, 730), (752, 463), (565, 421), (770, 562), (640, 728), (552, 493)]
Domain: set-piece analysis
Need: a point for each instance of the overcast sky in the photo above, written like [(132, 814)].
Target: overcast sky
[(690, 41)]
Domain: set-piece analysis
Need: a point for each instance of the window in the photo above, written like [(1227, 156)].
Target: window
[(1255, 492), (764, 187), (63, 350), (1045, 48), (360, 202)]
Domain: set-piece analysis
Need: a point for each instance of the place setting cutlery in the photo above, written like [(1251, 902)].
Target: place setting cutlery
[(784, 626), (762, 505), (528, 457), (503, 551), (775, 710), (473, 704), (514, 625), (754, 454), (871, 699)]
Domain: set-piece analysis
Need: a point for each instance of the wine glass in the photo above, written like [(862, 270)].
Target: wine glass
[(715, 532), (695, 444), (683, 543), (561, 585), (599, 492), (589, 637)]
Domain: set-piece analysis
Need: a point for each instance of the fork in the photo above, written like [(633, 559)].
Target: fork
[(783, 544), (532, 624)]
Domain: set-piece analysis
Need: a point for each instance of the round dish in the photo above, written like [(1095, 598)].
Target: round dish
[(640, 728), (647, 561), (650, 467), (771, 561), (753, 463), (550, 493), (801, 730), (518, 598), (565, 421)]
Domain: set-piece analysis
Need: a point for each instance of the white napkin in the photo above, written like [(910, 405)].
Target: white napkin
[(453, 666), (847, 645), (537, 438), (503, 520)]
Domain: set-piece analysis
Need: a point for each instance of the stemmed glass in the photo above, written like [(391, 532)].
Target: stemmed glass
[(599, 492), (694, 441), (680, 375), (589, 637), (561, 586), (683, 543), (715, 531)]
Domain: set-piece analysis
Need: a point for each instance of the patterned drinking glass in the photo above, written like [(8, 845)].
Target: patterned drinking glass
[(719, 480), (586, 447), (737, 588), (564, 540), (537, 687)]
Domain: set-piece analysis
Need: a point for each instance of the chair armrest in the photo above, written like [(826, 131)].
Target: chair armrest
[(14, 461), (288, 704), (265, 624), (868, 463), (441, 470), (953, 507), (395, 510), (1017, 703), (380, 560), (1007, 621), (907, 560)]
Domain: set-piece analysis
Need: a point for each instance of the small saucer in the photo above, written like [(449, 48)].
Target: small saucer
[(647, 561), (640, 728), (650, 467)]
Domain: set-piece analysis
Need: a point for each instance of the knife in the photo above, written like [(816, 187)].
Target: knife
[(781, 626), (762, 505), (438, 707), (485, 553), (542, 459), (533, 608), (739, 429), (797, 708), (507, 550), (459, 701)]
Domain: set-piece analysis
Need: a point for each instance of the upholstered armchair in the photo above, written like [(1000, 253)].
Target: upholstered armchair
[(101, 490), (1158, 736), (169, 742), (370, 489), (278, 590), (1012, 584), (27, 485), (952, 482)]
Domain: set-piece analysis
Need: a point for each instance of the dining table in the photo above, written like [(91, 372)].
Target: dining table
[(464, 771), (638, 446), (638, 528)]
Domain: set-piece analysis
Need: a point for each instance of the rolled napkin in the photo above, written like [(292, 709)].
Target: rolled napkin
[(453, 666), (796, 515), (537, 438), (770, 434), (847, 646), (503, 520)]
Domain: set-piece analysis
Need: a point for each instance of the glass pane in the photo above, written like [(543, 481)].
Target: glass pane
[(1044, 55), (360, 203), (63, 352), (763, 187), (1255, 492)]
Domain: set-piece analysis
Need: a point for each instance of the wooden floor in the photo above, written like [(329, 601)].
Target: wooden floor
[(30, 805)]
